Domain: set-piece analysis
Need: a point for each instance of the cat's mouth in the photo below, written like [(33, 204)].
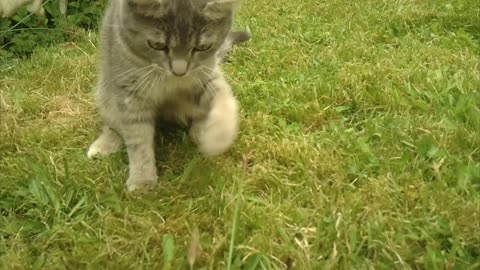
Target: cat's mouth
[(174, 69), (195, 70)]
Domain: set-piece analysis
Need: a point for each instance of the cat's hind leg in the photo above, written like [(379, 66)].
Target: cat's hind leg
[(107, 143)]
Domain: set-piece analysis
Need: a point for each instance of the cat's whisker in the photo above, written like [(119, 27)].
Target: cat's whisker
[(130, 72), (203, 68), (155, 77), (135, 85), (153, 81), (204, 73), (139, 85), (158, 79), (146, 82), (207, 68), (199, 84), (127, 74), (150, 83), (209, 90), (159, 68)]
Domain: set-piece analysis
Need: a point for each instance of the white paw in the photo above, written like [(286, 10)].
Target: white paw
[(215, 140), (217, 133), (103, 147), (141, 184)]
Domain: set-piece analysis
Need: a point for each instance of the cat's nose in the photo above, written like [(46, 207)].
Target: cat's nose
[(179, 67)]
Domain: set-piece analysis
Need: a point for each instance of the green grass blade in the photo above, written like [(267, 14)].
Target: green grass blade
[(168, 251), (233, 233)]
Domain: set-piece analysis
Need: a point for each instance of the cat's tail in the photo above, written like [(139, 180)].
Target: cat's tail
[(232, 39)]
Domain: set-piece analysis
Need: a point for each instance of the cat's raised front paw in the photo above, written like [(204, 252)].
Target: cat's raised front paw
[(215, 134)]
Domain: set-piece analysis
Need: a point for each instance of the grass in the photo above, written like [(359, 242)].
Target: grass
[(359, 149)]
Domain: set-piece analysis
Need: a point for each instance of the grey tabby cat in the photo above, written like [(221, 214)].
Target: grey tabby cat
[(160, 59)]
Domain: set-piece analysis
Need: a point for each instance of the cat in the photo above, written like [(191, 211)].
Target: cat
[(9, 7), (159, 59)]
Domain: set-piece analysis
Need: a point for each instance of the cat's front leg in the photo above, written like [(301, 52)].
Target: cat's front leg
[(139, 139), (216, 132)]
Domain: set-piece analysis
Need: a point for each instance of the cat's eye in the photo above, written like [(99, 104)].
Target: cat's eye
[(203, 48), (158, 46)]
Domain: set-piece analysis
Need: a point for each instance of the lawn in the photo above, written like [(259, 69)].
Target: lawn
[(359, 149)]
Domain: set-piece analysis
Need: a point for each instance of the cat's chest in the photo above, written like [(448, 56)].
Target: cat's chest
[(176, 98), (170, 88), (156, 90), (170, 97)]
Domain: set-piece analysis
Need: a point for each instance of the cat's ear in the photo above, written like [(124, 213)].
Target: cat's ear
[(216, 9)]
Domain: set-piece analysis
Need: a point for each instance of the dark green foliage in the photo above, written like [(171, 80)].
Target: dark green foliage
[(22, 33)]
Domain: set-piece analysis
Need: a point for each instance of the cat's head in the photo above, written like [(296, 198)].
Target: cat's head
[(177, 35)]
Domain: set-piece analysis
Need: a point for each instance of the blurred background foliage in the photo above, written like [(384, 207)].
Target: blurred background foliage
[(22, 32)]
